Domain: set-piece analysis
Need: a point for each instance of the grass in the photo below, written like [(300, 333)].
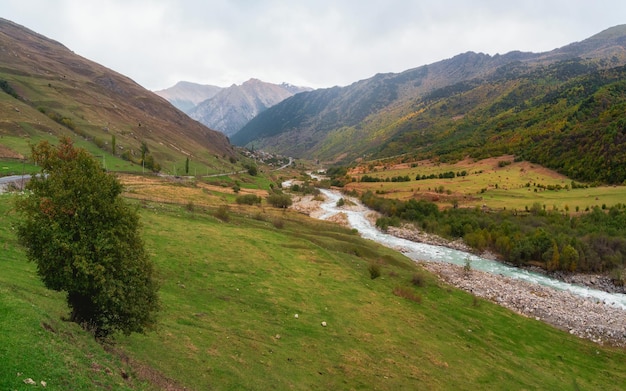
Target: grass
[(35, 342), (488, 183), (17, 167), (230, 292)]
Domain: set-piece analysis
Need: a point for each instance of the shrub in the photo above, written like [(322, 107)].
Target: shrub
[(278, 223), (374, 270), (222, 213), (248, 199), (279, 200), (6, 87), (467, 267), (418, 279)]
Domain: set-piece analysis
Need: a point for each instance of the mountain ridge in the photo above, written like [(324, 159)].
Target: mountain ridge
[(232, 107), (366, 117), (58, 92), (186, 95)]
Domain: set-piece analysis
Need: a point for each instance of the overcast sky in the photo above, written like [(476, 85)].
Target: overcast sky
[(316, 43)]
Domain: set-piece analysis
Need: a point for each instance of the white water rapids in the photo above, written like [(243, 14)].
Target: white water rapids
[(425, 252)]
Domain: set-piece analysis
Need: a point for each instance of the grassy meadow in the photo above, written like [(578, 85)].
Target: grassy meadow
[(508, 186), (231, 286)]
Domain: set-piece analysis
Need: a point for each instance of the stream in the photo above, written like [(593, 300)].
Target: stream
[(426, 252)]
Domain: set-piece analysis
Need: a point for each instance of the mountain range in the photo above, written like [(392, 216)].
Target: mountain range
[(472, 104), (186, 95), (231, 108), (48, 91), (564, 109)]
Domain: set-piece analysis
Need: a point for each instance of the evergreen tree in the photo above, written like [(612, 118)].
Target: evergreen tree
[(85, 241)]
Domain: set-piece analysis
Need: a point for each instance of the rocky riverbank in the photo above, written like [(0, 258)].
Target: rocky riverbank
[(585, 318), (593, 281)]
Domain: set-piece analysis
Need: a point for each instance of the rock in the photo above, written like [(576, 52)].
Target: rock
[(296, 316), (30, 382), (582, 317), (323, 324)]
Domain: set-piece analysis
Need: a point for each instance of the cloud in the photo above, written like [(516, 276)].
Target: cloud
[(319, 43)]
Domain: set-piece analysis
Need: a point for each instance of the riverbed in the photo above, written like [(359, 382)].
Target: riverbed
[(588, 313)]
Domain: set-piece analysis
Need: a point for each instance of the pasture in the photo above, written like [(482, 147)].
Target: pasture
[(497, 183), (231, 286)]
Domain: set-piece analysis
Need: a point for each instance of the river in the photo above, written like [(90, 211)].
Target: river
[(426, 252)]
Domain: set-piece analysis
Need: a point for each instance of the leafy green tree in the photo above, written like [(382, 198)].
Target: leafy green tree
[(144, 150), (279, 200), (569, 258), (86, 242), (253, 170)]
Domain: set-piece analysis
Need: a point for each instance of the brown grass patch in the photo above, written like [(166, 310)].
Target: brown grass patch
[(6, 152), (407, 293)]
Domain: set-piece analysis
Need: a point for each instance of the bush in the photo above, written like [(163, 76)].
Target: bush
[(279, 200), (248, 199), (222, 213), (374, 270), (278, 223), (418, 279), (6, 87)]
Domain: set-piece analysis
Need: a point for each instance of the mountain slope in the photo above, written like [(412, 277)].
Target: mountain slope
[(569, 116), (385, 115), (49, 91), (185, 95), (231, 108)]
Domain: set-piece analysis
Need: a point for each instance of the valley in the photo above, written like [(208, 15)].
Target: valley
[(520, 156), (232, 284)]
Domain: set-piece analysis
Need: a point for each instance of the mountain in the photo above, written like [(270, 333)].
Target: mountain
[(452, 107), (231, 108), (48, 90), (185, 95)]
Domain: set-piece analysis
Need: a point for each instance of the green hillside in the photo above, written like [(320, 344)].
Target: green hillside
[(568, 116), (231, 289)]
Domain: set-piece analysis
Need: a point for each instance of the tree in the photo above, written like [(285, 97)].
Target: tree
[(85, 241), (144, 150), (187, 166), (252, 170), (113, 144), (279, 200)]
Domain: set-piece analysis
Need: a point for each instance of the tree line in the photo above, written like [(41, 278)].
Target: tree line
[(590, 242)]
